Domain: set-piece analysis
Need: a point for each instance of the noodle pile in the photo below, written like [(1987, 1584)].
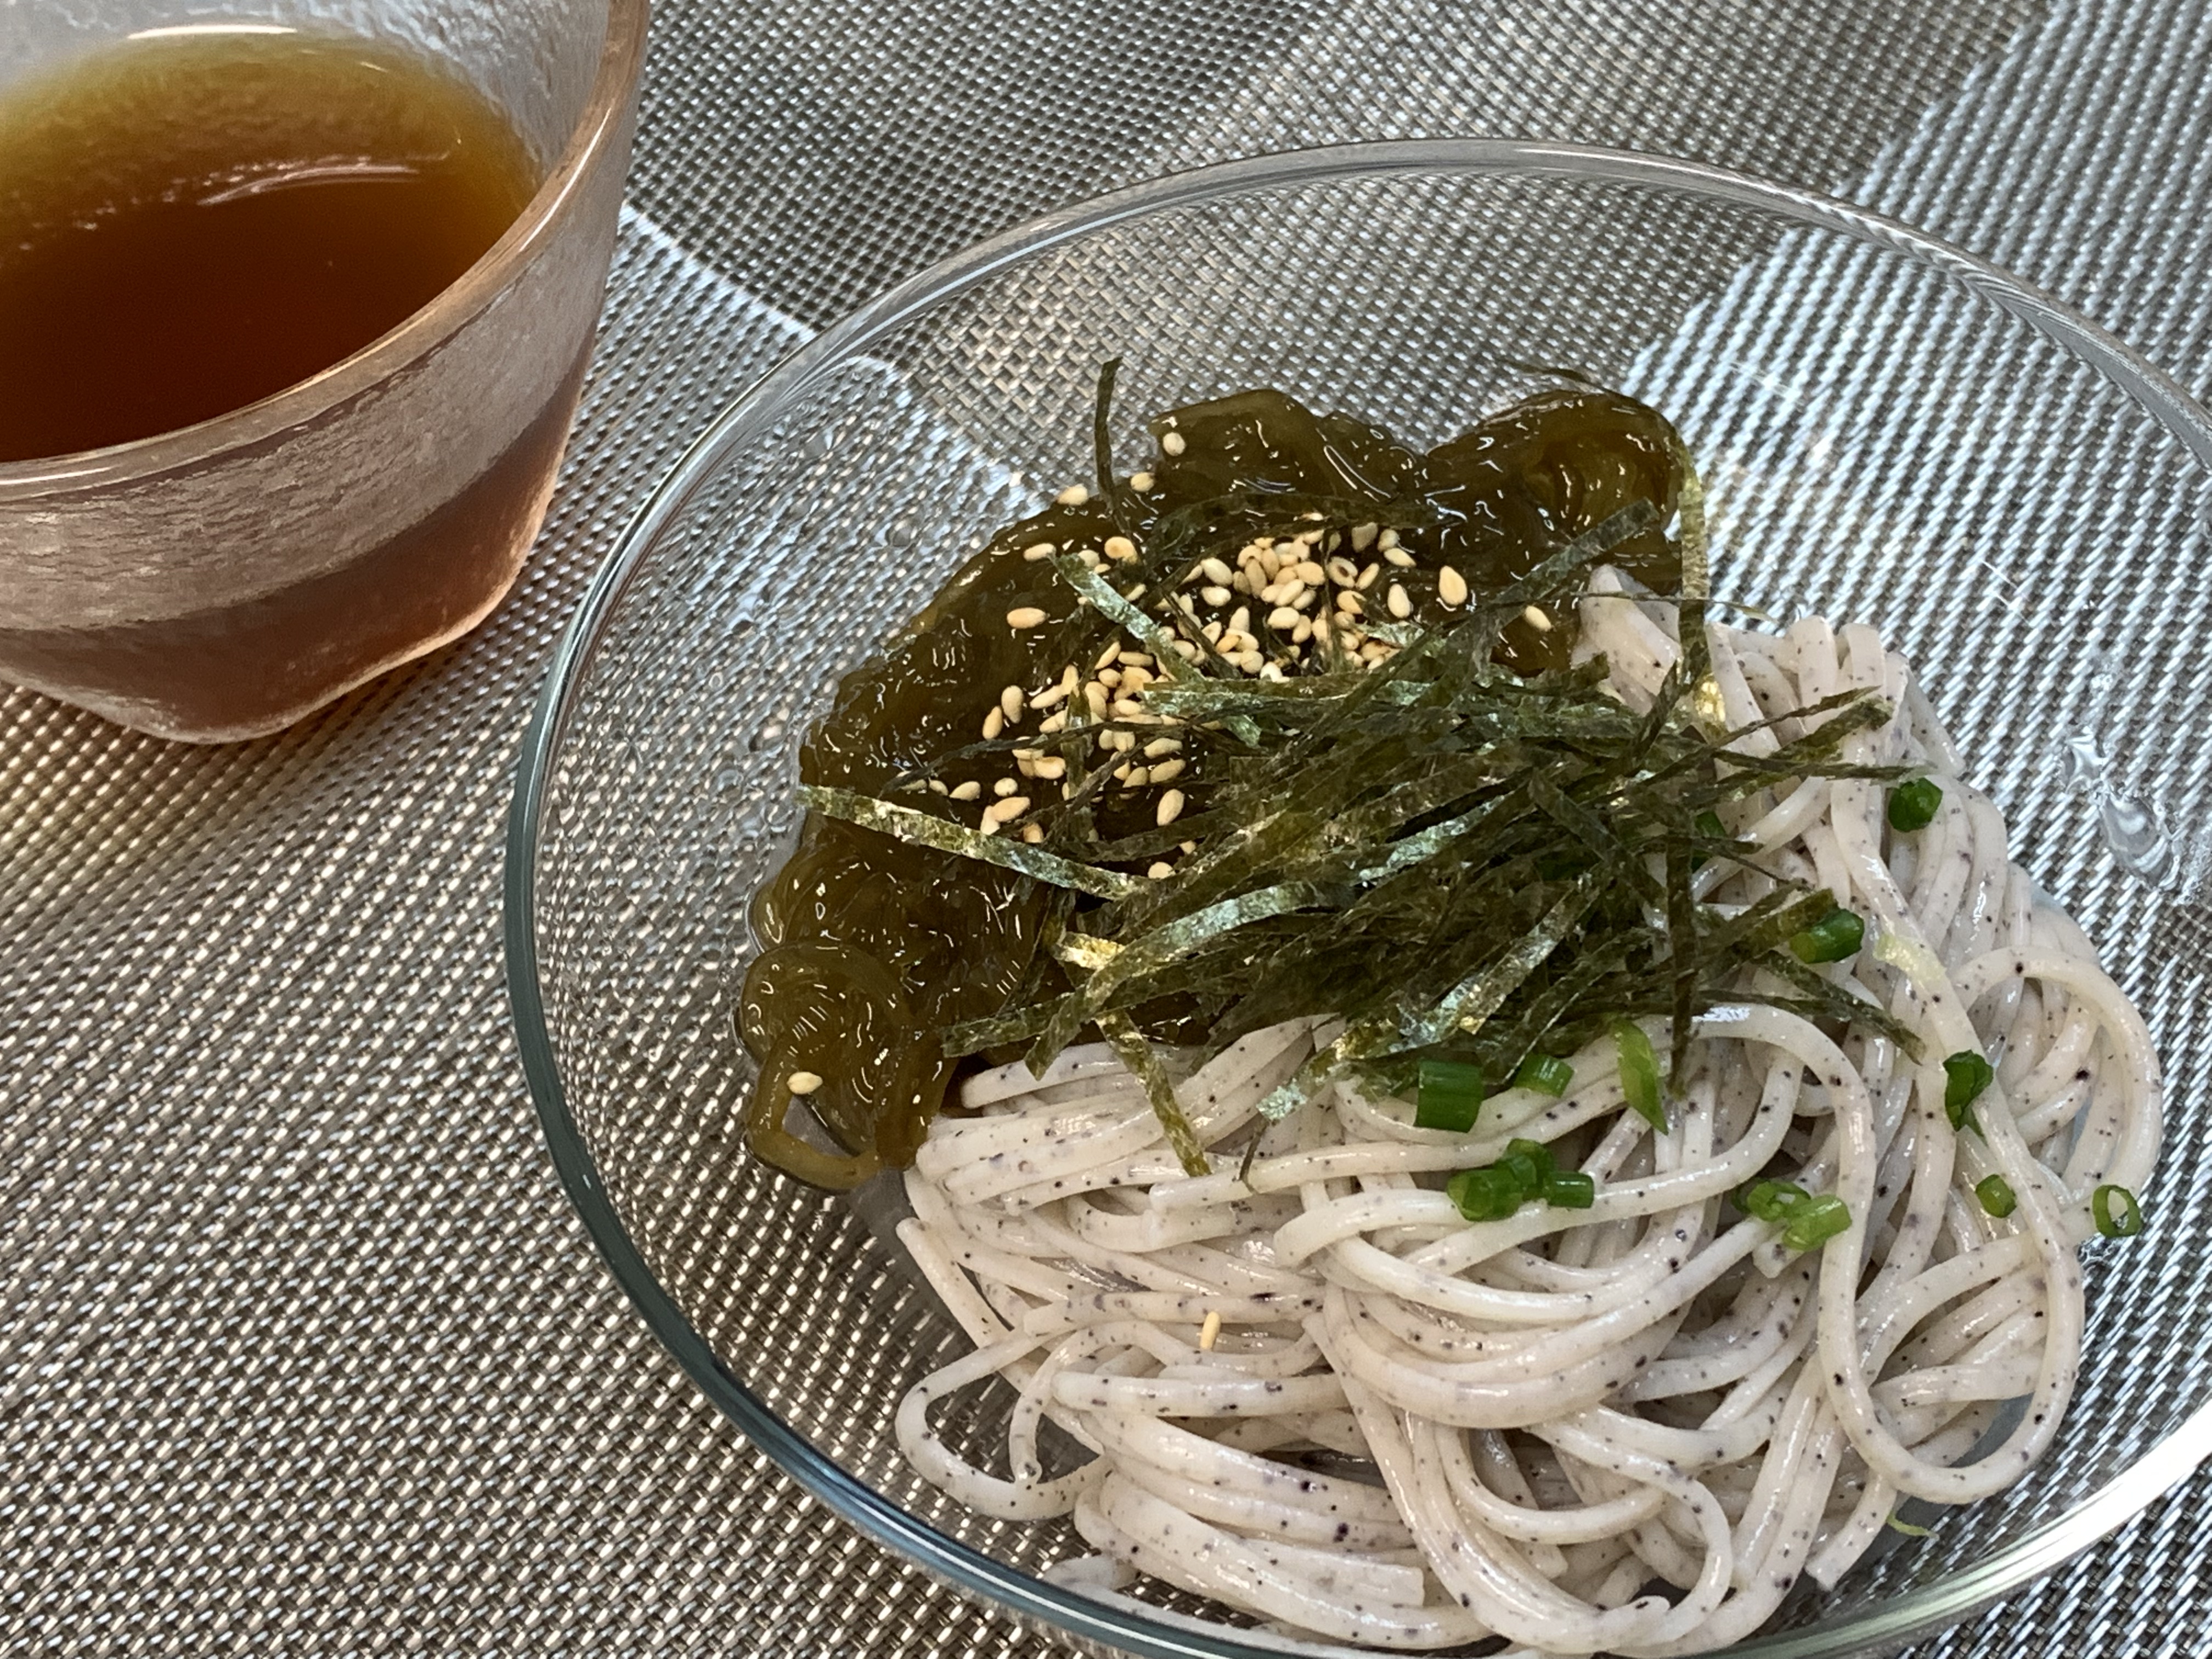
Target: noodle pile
[(1568, 1408)]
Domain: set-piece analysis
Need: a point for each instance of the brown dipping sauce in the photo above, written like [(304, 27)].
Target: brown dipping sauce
[(189, 223), (870, 945), (194, 221)]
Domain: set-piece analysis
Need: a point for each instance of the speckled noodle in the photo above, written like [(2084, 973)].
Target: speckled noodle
[(1568, 1410)]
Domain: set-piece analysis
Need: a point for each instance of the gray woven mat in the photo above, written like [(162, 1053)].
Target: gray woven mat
[(300, 1350)]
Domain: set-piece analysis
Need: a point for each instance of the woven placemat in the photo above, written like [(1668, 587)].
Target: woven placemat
[(302, 1351)]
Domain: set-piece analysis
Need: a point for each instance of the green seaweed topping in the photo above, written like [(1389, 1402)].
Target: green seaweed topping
[(1461, 863)]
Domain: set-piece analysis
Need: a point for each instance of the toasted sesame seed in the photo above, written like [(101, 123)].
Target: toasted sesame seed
[(1348, 603), (1073, 495), (1005, 786), (1162, 771), (1161, 871), (1050, 694), (1140, 481), (1091, 559), (1216, 572), (1451, 586), (1292, 592), (1186, 650), (1170, 808), (1132, 776), (1387, 540), (1171, 443), (1033, 833), (993, 723), (1127, 708), (1109, 677), (1311, 573), (1214, 595), (1537, 618), (1121, 547), (1270, 671), (1160, 746), (1024, 615), (1038, 552), (989, 826), (1367, 576), (1210, 1332), (803, 1082), (1010, 702), (1343, 572), (1303, 632), (1052, 767), (1136, 658), (1282, 618), (1094, 697), (1363, 537), (1007, 811), (971, 790), (1399, 602), (1053, 722), (1123, 741), (937, 787), (1399, 556), (1248, 659)]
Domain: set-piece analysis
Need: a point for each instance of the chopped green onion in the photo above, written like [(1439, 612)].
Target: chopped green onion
[(1997, 1195), (1909, 1529), (1835, 938), (1815, 1222), (1771, 1200), (1571, 1189), (1547, 1074), (1485, 1194), (1639, 1073), (1966, 1074), (1529, 1163), (1913, 806), (2127, 1223), (1449, 1096)]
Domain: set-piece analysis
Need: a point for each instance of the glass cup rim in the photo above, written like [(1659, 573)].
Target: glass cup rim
[(621, 58), (1897, 1620)]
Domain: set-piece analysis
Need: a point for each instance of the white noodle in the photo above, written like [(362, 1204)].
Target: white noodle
[(1565, 1409)]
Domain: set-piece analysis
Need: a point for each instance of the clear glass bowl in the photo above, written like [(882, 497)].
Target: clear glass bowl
[(1891, 431), (220, 582)]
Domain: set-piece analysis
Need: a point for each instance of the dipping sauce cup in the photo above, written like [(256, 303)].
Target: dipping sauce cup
[(219, 581)]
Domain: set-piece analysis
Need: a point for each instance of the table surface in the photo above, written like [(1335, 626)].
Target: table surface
[(301, 1349)]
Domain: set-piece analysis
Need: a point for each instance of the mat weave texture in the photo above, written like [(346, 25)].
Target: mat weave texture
[(302, 1351)]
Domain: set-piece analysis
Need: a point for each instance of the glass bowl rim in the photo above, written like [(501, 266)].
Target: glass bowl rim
[(622, 61), (1899, 1619)]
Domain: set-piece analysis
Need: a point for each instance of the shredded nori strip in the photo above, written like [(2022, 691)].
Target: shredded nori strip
[(1123, 1037), (926, 829)]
